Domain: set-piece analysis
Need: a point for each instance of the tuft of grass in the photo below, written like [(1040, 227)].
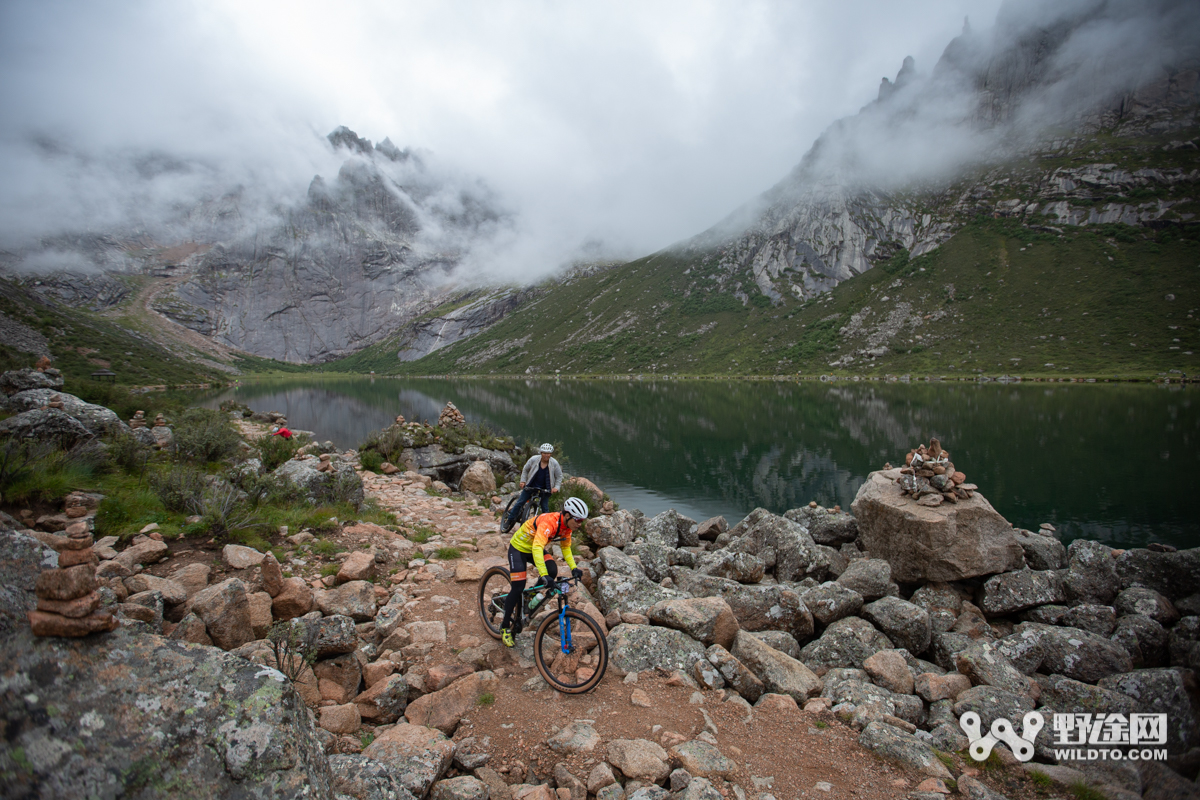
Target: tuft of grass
[(330, 569), (821, 724), (365, 739), (486, 699), (946, 759), (1084, 792), (325, 547), (448, 553), (1040, 779), (421, 534)]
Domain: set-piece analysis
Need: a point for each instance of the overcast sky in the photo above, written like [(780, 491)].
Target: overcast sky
[(637, 123)]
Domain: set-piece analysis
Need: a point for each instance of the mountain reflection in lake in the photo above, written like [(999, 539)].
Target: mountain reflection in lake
[(1116, 462)]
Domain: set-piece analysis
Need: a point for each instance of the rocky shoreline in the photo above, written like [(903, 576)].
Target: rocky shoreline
[(888, 624)]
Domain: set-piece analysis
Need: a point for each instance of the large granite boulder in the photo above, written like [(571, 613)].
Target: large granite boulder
[(1042, 551), (1161, 691), (826, 526), (706, 619), (1175, 575), (1091, 573), (477, 478), (1022, 589), (633, 648), (416, 756), (846, 643), (134, 714), (631, 593), (832, 601), (949, 542), (22, 559), (794, 554), (779, 672), (97, 419), (905, 623), (342, 482), (615, 530), (23, 380), (46, 425), (1075, 653)]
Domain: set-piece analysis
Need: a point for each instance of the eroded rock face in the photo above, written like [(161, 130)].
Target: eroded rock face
[(947, 543), (46, 425), (138, 712), (315, 485)]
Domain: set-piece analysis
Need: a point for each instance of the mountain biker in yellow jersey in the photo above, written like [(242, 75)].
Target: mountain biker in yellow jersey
[(528, 545)]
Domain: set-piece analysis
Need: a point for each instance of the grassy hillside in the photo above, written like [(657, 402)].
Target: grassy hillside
[(997, 298), (1021, 295)]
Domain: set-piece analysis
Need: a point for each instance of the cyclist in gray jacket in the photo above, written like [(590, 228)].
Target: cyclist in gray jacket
[(540, 472)]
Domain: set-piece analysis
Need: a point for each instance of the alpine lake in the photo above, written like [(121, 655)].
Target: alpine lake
[(1119, 463)]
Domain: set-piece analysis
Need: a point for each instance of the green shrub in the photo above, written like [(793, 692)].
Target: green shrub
[(223, 513), (179, 488), (275, 450), (127, 453), (203, 436), (449, 553), (371, 460), (330, 569)]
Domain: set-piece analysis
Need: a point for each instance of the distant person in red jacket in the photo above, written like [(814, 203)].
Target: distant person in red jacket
[(282, 431)]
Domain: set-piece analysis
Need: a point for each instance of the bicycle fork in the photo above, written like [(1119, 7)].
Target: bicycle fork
[(564, 630)]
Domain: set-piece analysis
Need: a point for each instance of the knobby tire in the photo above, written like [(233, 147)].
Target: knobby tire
[(547, 649), (494, 576)]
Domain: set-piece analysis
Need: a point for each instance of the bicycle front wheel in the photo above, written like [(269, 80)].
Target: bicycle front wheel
[(571, 652), (493, 589)]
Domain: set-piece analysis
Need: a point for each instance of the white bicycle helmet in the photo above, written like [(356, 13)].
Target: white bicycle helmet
[(546, 448), (576, 508)]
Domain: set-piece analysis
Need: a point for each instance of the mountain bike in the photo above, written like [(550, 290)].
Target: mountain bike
[(531, 509), (569, 647)]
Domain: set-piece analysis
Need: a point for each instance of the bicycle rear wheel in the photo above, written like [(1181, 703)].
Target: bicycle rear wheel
[(493, 589), (571, 652)]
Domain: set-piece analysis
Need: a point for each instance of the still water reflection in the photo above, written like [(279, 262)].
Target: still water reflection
[(1116, 463)]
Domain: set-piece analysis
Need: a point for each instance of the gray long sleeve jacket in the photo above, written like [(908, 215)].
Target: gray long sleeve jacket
[(531, 467)]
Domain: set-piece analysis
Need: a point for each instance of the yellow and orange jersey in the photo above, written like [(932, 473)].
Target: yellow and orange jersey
[(539, 533)]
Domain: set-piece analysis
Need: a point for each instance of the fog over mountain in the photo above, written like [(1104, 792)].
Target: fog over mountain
[(313, 180), (606, 129)]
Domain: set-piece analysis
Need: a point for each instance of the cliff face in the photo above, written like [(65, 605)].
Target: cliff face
[(363, 254), (891, 178)]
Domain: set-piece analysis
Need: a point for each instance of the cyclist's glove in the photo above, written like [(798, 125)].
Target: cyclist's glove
[(542, 581), (577, 574)]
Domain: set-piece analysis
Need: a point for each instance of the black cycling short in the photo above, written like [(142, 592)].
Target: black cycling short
[(518, 561)]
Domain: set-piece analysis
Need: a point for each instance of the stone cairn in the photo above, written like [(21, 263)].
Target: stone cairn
[(929, 476), (451, 417), (138, 421), (159, 422), (399, 419), (68, 603), (55, 401)]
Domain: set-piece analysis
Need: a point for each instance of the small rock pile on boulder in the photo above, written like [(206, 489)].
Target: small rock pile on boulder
[(67, 601), (451, 417), (929, 476), (138, 421)]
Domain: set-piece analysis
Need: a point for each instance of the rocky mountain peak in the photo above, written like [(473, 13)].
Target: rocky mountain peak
[(343, 137)]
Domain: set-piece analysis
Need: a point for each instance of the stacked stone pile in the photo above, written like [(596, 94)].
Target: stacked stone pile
[(138, 421), (68, 603), (451, 417), (929, 476)]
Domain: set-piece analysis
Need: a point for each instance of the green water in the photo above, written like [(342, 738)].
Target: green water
[(1118, 463)]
